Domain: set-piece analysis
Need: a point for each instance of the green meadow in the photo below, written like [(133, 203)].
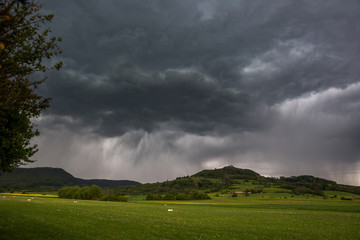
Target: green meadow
[(267, 216)]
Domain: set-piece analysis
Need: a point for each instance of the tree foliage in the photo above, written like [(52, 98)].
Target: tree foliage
[(25, 48), (113, 198), (86, 193), (191, 195), (229, 172)]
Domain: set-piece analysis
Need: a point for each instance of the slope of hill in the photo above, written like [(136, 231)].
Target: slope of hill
[(229, 179), (51, 178)]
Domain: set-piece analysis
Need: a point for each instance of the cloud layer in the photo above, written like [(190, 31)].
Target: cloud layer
[(166, 88)]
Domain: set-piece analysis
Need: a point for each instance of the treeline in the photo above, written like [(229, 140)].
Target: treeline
[(88, 193), (307, 184), (180, 185), (192, 195)]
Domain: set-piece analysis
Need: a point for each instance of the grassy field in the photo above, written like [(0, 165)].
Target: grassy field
[(220, 218)]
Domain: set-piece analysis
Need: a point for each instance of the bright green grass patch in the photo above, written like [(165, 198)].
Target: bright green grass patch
[(54, 218)]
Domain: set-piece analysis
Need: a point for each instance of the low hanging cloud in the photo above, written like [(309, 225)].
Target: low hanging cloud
[(166, 88)]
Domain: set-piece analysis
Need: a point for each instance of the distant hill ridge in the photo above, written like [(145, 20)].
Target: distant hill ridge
[(229, 179), (230, 172), (224, 179), (45, 177)]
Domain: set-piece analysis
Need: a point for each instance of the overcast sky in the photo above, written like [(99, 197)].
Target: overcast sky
[(155, 89)]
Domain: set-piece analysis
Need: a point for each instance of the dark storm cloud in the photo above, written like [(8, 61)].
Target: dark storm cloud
[(131, 98), (202, 83), (197, 65)]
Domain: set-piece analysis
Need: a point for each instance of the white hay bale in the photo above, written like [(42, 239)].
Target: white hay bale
[(170, 210)]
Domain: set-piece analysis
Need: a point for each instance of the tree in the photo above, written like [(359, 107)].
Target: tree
[(25, 48), (95, 192)]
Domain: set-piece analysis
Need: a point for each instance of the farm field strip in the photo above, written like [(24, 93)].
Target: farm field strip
[(29, 195)]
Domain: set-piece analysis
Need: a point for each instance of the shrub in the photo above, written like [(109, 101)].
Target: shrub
[(113, 198), (182, 196), (67, 192), (196, 195), (346, 198), (153, 196), (95, 192), (169, 196), (84, 193), (234, 195), (150, 196)]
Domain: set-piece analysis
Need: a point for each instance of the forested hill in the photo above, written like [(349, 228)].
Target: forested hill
[(230, 178), (46, 177), (229, 172)]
